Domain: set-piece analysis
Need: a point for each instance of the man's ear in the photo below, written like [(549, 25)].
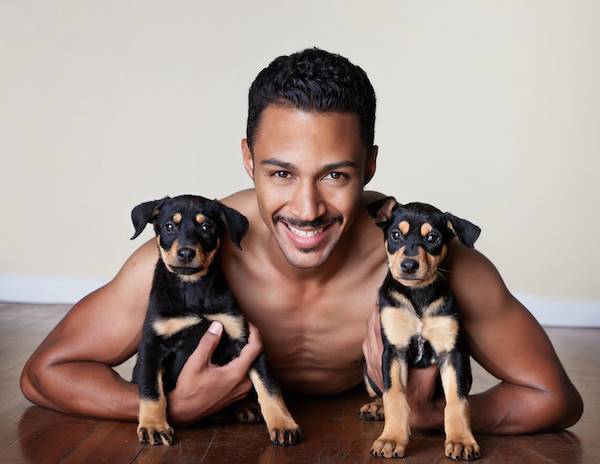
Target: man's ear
[(145, 213), (371, 166), (381, 210), (247, 158), (235, 223), (466, 231)]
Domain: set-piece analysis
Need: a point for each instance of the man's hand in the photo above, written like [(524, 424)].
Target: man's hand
[(421, 382), (204, 388)]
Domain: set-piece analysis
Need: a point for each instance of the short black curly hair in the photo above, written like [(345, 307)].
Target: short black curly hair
[(313, 80)]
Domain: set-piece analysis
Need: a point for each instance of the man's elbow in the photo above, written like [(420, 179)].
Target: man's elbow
[(30, 382), (564, 407)]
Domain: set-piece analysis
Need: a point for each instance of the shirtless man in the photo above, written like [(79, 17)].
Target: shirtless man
[(308, 280)]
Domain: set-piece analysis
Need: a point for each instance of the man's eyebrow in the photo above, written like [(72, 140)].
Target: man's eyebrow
[(341, 164), (279, 163)]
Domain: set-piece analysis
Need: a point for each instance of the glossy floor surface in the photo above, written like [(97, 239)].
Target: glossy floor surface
[(332, 431)]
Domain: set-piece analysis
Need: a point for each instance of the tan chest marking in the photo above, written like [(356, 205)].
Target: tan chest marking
[(401, 323), (168, 327), (441, 332), (233, 325)]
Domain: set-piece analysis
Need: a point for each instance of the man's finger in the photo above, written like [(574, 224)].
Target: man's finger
[(200, 358)]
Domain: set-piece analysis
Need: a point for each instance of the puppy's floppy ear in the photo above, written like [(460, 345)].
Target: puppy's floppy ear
[(381, 210), (466, 231), (235, 222), (145, 213)]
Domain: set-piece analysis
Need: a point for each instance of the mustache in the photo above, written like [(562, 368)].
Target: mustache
[(316, 223)]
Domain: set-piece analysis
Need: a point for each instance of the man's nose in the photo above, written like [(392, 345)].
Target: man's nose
[(306, 203)]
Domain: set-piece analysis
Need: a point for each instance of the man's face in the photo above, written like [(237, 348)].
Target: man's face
[(309, 169)]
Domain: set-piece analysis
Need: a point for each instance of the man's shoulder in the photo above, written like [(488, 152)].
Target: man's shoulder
[(369, 196), (244, 201)]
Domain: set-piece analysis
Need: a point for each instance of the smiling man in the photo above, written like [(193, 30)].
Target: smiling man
[(307, 279)]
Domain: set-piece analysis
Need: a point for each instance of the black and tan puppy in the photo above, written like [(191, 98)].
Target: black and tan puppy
[(188, 292), (420, 325)]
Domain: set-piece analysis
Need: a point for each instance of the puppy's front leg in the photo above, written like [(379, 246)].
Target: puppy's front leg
[(152, 418), (460, 443), (394, 438), (282, 427)]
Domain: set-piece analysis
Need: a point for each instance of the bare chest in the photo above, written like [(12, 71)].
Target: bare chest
[(312, 334)]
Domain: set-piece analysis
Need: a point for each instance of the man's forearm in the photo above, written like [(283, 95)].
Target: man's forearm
[(87, 389), (512, 409)]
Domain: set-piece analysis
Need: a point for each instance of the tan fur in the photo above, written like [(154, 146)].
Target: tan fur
[(396, 432), (206, 262), (273, 408), (399, 325), (441, 332), (152, 416), (233, 325), (425, 229), (177, 217), (200, 218), (168, 327), (459, 438), (404, 227), (434, 307)]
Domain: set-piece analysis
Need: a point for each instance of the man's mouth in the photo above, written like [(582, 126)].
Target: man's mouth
[(307, 238)]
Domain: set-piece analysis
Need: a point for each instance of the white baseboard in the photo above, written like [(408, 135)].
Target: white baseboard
[(69, 290), (555, 312), (44, 289)]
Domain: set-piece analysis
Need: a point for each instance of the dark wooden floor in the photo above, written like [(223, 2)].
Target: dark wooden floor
[(332, 431)]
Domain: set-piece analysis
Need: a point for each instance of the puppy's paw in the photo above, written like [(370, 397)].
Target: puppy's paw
[(372, 411), (285, 436), (461, 448), (248, 412), (156, 433), (389, 447)]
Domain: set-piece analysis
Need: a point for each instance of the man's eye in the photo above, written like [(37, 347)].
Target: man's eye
[(336, 175), (207, 228), (169, 227), (281, 174), (395, 234), (433, 239)]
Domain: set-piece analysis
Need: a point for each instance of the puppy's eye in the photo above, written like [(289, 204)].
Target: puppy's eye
[(395, 234), (207, 228), (433, 238), (169, 227)]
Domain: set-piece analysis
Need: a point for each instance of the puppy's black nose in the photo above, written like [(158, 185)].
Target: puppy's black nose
[(409, 266), (185, 254)]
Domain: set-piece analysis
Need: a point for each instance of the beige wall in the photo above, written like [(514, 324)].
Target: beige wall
[(490, 110)]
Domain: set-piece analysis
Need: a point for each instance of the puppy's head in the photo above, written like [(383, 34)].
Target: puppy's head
[(417, 236), (189, 231)]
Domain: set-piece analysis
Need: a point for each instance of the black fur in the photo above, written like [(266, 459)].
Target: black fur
[(388, 214), (174, 296)]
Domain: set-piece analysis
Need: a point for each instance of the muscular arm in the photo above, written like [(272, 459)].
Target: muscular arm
[(71, 371), (535, 392)]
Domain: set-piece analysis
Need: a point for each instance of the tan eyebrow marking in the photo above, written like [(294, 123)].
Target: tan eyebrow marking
[(425, 229), (200, 218), (404, 227), (177, 218)]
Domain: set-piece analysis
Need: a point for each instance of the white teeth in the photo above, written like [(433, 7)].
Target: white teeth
[(304, 233)]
